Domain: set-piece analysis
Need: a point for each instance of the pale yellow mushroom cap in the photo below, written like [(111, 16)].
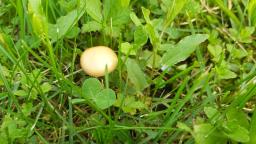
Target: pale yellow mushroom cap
[(94, 60)]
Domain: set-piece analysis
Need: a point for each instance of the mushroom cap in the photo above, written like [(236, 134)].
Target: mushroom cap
[(94, 60)]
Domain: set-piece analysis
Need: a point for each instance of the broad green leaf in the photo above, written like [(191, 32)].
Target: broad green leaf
[(2, 41), (127, 49), (64, 24), (120, 19), (135, 19), (125, 3), (174, 33), (93, 90), (146, 14), (27, 108), (237, 116), (21, 93), (5, 72), (35, 6), (74, 32), (165, 47), (192, 8), (184, 127), (243, 35), (214, 37), (136, 75), (133, 107), (236, 132), (205, 134), (212, 113), (91, 26), (3, 138), (130, 104), (140, 37), (91, 87), (253, 129), (46, 87), (137, 105), (215, 51), (112, 31), (69, 5), (201, 81), (183, 49), (148, 57), (12, 128), (251, 12), (152, 34), (39, 24), (105, 98), (157, 23), (93, 8), (224, 72), (116, 12), (182, 67), (235, 52)]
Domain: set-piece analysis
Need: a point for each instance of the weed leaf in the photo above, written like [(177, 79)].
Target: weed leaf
[(205, 134), (63, 25), (91, 87), (136, 75), (93, 8), (140, 37), (253, 129), (93, 90), (183, 49), (105, 98), (91, 26), (237, 132)]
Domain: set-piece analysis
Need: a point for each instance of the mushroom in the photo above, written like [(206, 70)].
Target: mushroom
[(94, 61)]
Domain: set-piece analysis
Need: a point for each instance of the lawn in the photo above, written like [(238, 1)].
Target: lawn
[(184, 71)]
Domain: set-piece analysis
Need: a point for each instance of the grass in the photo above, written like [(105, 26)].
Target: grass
[(186, 72)]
